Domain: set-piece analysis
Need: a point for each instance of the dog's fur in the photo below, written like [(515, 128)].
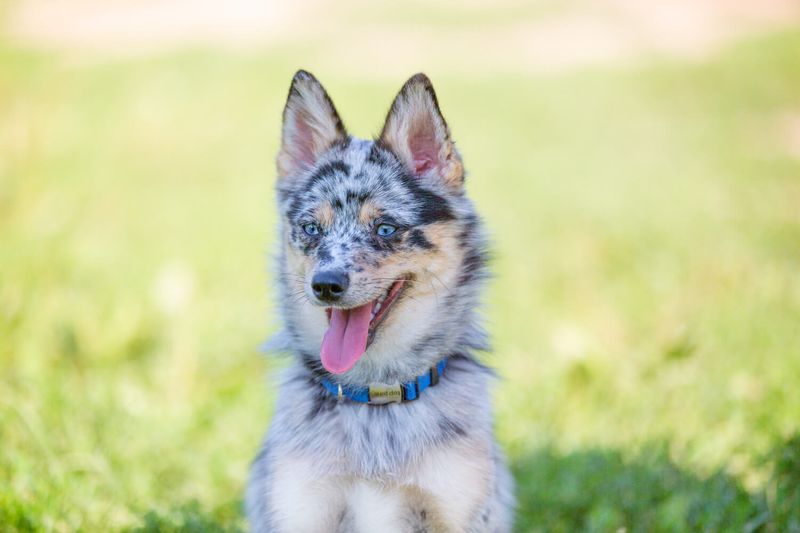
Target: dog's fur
[(336, 465)]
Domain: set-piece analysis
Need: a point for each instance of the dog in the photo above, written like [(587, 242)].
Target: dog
[(383, 422)]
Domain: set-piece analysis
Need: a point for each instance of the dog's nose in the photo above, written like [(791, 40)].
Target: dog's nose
[(329, 286)]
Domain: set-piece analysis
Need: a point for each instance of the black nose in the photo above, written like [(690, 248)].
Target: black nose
[(329, 286)]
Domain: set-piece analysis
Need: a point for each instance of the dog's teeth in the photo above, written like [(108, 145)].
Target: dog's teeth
[(379, 302)]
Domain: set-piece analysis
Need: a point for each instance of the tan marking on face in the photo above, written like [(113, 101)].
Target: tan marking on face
[(369, 212), (445, 254), (440, 234), (430, 267), (324, 214)]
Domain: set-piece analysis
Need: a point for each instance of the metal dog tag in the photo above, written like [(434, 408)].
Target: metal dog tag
[(380, 393)]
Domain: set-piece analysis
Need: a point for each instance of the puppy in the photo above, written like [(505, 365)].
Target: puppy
[(383, 422)]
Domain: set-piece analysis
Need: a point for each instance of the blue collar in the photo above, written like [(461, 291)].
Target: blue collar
[(378, 394)]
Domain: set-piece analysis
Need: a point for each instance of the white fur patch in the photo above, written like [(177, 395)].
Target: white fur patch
[(449, 484), (459, 477), (374, 508), (302, 499)]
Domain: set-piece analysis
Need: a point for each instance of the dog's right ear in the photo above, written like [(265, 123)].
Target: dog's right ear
[(311, 125)]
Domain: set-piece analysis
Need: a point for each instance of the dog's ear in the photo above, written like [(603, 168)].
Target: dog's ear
[(416, 131), (311, 125)]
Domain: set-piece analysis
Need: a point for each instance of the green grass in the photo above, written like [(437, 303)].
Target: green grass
[(645, 310)]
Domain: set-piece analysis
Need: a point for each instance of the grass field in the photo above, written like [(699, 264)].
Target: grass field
[(645, 310)]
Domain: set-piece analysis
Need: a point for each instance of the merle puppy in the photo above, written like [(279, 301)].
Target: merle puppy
[(383, 423)]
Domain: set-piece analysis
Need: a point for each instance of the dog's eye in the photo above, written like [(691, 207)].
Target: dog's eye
[(384, 230), (311, 229)]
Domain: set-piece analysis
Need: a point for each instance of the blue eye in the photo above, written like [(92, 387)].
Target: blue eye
[(311, 229), (384, 230)]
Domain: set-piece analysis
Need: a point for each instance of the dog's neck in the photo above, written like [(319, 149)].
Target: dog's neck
[(393, 368)]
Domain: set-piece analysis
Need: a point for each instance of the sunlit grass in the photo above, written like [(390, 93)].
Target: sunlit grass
[(645, 310)]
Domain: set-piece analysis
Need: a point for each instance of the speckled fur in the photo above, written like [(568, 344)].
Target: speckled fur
[(429, 465)]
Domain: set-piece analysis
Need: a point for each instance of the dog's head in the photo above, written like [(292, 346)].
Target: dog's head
[(382, 253)]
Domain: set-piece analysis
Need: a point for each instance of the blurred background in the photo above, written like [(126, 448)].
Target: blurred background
[(638, 165)]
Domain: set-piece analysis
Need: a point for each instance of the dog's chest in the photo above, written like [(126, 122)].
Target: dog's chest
[(437, 492), (375, 442)]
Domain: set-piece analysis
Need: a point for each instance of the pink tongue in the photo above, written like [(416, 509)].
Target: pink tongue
[(346, 338)]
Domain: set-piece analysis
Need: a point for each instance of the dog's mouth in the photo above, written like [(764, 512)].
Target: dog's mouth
[(350, 331)]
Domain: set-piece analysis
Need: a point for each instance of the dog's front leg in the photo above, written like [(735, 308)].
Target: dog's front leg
[(458, 479), (371, 507), (301, 500)]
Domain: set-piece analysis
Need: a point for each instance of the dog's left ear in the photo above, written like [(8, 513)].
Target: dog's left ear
[(416, 131)]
